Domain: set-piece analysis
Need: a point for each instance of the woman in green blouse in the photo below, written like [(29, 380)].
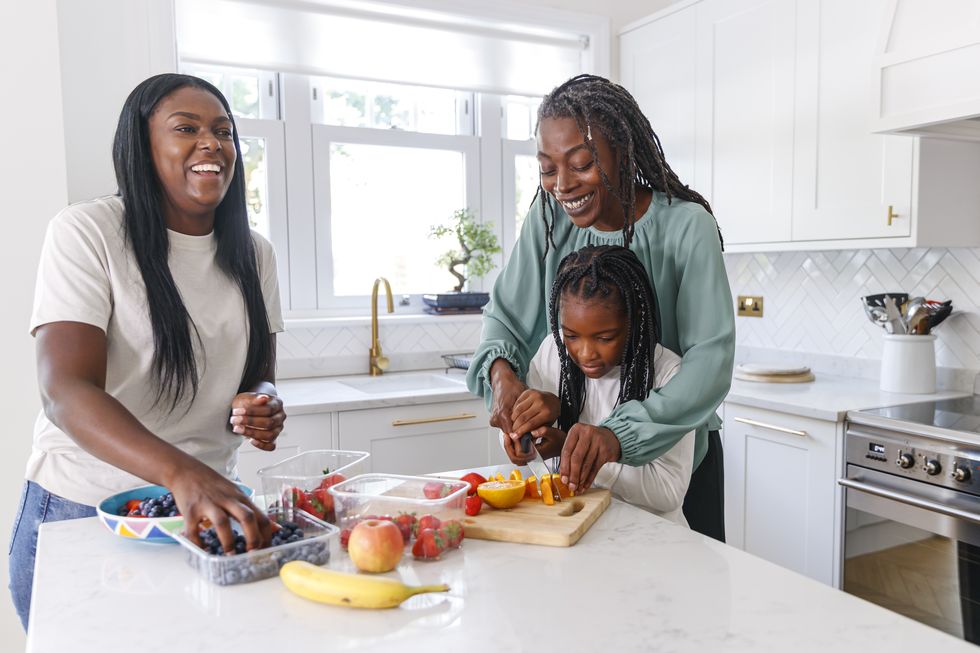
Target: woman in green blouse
[(600, 162)]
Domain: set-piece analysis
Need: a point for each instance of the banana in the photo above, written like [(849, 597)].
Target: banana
[(352, 590)]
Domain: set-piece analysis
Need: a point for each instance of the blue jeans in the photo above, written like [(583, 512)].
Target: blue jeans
[(37, 506)]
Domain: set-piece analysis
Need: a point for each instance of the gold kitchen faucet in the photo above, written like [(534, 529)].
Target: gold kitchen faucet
[(379, 362)]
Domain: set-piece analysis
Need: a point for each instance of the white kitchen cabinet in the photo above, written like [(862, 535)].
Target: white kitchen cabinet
[(420, 439), (783, 102), (744, 123), (849, 183), (300, 433), (657, 66), (782, 502)]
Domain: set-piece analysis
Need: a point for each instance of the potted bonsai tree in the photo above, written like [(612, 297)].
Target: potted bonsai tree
[(473, 259)]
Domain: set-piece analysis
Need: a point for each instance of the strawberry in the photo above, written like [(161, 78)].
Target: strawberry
[(429, 545), (406, 524), (473, 479), (436, 490), (426, 521), (452, 532), (333, 479), (294, 497), (473, 505), (345, 537)]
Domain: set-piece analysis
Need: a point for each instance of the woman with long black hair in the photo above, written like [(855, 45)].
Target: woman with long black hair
[(155, 316)]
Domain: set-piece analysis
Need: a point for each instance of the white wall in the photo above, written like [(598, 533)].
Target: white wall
[(32, 183), (619, 12)]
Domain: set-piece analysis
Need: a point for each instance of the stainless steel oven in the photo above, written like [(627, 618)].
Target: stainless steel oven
[(912, 512)]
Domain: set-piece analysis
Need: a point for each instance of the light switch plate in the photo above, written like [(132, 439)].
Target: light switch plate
[(750, 306)]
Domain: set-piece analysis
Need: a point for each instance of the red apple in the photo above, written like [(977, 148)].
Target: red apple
[(376, 546)]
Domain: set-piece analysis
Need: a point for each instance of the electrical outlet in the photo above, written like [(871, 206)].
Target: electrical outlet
[(749, 306)]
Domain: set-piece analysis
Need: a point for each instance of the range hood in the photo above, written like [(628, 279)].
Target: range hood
[(928, 71)]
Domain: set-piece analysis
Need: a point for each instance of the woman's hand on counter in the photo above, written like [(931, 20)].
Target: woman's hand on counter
[(259, 417), (587, 448)]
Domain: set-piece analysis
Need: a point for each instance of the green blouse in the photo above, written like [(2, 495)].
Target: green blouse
[(678, 245)]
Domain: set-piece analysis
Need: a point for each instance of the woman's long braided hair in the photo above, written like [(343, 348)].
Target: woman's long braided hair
[(613, 274), (596, 103)]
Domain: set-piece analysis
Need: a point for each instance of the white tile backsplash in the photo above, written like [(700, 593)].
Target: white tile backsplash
[(327, 350), (812, 304)]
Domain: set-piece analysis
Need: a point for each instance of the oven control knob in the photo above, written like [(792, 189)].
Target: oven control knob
[(905, 460), (961, 474), (933, 467)]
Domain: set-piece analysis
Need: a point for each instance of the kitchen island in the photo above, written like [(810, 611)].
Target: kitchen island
[(634, 582)]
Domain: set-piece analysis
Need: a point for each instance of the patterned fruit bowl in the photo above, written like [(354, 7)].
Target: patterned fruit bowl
[(145, 513)]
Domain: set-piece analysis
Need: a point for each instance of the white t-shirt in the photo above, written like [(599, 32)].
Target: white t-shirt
[(88, 274), (658, 486)]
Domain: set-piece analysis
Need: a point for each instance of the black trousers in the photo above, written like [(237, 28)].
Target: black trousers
[(704, 503)]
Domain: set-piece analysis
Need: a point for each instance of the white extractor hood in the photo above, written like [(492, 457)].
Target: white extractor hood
[(929, 69)]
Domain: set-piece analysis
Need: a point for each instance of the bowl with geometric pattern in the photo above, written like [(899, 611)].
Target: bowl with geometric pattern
[(143, 529)]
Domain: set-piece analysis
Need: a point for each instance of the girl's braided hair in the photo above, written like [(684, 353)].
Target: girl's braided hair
[(613, 274), (596, 103)]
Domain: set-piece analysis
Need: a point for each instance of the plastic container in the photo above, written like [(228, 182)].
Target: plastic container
[(263, 563), (381, 495), (908, 364), (307, 471)]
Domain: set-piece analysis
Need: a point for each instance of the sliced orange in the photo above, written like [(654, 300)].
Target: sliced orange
[(531, 492), (502, 494), (555, 480), (516, 475)]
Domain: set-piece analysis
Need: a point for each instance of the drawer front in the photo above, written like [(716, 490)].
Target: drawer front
[(408, 421)]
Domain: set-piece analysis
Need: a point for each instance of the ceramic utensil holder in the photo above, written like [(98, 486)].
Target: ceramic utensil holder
[(908, 364)]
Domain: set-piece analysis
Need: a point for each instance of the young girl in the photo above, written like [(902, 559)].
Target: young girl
[(605, 351)]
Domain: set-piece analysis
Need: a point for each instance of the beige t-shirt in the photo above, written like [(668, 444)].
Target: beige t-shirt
[(88, 274), (658, 486)]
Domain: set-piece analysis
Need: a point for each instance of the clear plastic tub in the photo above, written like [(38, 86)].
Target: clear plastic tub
[(307, 472), (263, 563), (390, 495)]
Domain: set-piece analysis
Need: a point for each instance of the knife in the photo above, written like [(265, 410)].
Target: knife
[(536, 465)]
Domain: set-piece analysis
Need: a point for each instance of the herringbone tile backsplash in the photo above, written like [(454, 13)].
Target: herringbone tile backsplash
[(811, 307), (811, 299)]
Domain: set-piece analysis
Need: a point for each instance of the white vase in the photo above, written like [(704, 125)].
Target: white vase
[(908, 364)]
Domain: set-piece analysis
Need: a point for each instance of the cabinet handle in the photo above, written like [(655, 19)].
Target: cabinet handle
[(432, 420), (763, 425), (891, 214)]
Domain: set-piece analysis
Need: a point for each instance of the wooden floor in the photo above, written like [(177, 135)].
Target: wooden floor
[(919, 580)]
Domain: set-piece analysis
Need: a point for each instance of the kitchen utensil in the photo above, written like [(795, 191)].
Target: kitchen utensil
[(940, 314), (879, 299), (533, 522), (537, 465), (917, 315), (895, 323)]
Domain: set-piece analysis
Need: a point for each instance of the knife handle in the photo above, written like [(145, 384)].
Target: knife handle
[(526, 443)]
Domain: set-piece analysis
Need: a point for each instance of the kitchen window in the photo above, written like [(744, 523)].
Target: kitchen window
[(379, 148)]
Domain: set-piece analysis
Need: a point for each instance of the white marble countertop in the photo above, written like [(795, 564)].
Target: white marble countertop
[(634, 582), (827, 397), (332, 393)]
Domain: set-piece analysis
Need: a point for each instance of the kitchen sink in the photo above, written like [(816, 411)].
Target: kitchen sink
[(404, 383)]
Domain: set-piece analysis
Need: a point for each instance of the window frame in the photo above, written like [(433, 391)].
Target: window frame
[(323, 136)]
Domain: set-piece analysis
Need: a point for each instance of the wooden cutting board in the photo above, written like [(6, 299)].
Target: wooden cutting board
[(533, 522)]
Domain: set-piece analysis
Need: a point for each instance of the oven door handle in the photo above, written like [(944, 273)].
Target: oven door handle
[(925, 504)]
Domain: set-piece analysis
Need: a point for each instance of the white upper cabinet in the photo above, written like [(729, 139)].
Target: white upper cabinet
[(845, 178), (783, 97), (657, 65), (744, 95)]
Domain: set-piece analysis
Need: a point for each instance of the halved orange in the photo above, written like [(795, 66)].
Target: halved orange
[(501, 494)]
